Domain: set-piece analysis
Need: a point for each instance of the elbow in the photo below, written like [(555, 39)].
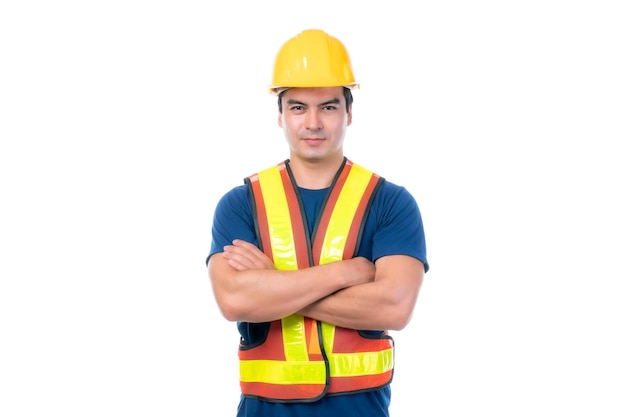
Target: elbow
[(238, 313), (235, 311), (399, 321), (229, 309), (400, 312), (229, 314)]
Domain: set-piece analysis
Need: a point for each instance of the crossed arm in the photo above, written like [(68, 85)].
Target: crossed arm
[(353, 293)]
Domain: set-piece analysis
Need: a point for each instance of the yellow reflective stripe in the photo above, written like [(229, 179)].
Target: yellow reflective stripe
[(278, 219), (355, 364), (328, 334), (361, 363), (343, 214), (297, 368), (275, 372), (294, 340)]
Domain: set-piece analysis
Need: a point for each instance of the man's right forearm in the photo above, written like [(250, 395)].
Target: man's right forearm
[(260, 295)]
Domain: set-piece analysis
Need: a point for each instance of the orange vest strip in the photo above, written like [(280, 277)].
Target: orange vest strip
[(303, 359)]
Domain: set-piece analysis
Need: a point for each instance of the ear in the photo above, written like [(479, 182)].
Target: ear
[(349, 116), (280, 119)]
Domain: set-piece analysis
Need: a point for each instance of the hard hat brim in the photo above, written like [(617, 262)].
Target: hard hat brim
[(275, 91)]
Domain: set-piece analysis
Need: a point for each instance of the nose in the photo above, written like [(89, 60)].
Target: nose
[(313, 120)]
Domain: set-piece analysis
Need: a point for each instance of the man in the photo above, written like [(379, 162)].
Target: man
[(316, 258)]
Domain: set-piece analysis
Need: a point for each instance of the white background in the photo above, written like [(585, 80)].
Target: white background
[(123, 122)]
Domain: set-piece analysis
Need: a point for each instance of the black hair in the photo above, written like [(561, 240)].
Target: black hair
[(347, 94)]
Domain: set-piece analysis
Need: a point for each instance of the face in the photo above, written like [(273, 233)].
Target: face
[(314, 121)]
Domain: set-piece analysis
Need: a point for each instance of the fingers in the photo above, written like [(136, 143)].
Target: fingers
[(243, 255), (363, 270)]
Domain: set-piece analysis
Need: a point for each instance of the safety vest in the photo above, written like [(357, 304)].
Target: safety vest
[(302, 359)]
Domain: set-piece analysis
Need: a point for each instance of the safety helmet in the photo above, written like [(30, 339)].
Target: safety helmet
[(312, 58)]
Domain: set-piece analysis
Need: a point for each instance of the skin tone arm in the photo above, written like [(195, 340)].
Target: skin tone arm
[(247, 287), (386, 303), (353, 294)]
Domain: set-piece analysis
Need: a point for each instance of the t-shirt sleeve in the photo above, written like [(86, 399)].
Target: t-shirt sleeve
[(400, 229), (232, 220)]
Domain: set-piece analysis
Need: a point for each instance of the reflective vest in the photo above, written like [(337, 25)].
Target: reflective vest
[(302, 359)]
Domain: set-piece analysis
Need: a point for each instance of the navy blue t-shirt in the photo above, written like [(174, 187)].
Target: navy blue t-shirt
[(393, 227)]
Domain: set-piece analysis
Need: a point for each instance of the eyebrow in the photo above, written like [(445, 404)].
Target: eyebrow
[(326, 103)]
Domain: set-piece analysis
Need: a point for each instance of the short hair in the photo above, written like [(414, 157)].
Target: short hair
[(347, 94)]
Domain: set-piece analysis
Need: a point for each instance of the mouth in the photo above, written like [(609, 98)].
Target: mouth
[(313, 140)]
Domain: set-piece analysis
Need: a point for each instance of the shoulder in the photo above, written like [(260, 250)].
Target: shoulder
[(238, 197), (234, 204), (393, 189), (389, 191), (392, 195), (393, 198), (236, 193)]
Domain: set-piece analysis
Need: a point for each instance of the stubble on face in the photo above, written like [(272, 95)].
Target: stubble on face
[(314, 121)]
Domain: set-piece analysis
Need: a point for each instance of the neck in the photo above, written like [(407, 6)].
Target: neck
[(315, 175)]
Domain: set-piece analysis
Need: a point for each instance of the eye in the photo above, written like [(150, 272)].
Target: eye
[(329, 107), (296, 108)]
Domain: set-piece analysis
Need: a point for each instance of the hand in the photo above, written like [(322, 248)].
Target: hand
[(359, 270), (243, 255)]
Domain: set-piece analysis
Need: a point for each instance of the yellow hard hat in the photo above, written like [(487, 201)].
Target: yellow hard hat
[(312, 58)]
